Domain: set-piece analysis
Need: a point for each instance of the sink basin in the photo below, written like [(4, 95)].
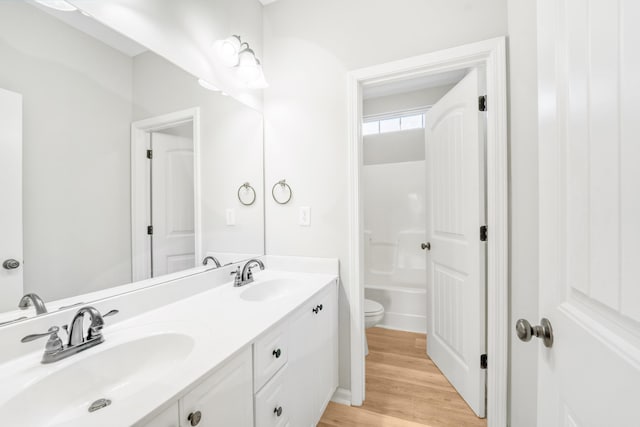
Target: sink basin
[(267, 290), (64, 396)]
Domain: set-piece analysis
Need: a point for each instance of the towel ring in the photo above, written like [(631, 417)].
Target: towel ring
[(247, 188), (282, 183)]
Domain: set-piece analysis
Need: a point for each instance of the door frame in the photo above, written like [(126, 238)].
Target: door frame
[(140, 184), (490, 55)]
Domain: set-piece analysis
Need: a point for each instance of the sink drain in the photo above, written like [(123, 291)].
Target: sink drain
[(99, 404)]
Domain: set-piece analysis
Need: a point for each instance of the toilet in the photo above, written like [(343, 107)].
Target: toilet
[(373, 314)]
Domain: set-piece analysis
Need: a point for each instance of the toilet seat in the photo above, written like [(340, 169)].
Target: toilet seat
[(372, 308)]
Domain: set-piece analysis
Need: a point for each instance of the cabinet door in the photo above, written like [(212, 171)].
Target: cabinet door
[(312, 372), (223, 399), (325, 337), (300, 378)]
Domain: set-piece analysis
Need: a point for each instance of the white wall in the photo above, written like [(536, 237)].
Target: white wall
[(77, 112), (403, 101), (524, 206), (184, 32), (231, 150), (309, 47)]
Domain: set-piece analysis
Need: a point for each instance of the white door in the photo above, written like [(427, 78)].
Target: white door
[(589, 166), (172, 202), (456, 261), (11, 199)]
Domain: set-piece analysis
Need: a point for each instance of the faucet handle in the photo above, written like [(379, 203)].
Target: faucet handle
[(52, 332), (54, 343), (111, 313), (238, 279)]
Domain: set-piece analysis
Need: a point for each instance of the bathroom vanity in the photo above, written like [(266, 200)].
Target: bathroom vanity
[(264, 354)]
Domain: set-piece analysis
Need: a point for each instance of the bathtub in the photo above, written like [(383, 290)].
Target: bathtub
[(405, 308), (395, 276)]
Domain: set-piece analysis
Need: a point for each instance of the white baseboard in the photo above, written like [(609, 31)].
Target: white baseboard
[(404, 322), (342, 396)]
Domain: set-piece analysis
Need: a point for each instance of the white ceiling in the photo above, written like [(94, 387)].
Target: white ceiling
[(378, 90), (95, 29)]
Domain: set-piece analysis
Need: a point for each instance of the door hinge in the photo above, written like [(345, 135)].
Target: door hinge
[(149, 154), (483, 361), (149, 229), (482, 103), (483, 233)]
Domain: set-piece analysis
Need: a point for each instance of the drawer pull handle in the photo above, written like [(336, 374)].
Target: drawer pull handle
[(278, 411), (277, 353), (320, 307), (194, 418), (315, 310)]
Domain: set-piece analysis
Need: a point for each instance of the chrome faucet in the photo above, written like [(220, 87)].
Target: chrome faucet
[(56, 350), (211, 258), (32, 300), (76, 331), (245, 276)]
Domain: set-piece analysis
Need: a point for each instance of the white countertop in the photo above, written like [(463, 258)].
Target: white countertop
[(220, 322)]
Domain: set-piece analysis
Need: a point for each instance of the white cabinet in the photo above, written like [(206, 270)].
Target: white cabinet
[(312, 369), (290, 375), (222, 399)]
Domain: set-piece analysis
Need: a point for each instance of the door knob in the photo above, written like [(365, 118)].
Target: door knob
[(426, 246), (543, 331), (11, 264), (194, 418)]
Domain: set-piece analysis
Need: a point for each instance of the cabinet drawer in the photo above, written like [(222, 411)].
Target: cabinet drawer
[(270, 353), (271, 405)]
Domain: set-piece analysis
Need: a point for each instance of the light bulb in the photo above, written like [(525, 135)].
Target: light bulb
[(248, 66), (228, 50), (58, 5)]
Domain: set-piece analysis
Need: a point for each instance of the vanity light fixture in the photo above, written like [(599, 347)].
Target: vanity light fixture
[(58, 5), (209, 86), (233, 52)]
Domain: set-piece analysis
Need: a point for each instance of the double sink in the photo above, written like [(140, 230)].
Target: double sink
[(152, 355)]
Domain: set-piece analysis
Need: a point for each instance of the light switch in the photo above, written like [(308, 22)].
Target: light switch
[(304, 216), (231, 217)]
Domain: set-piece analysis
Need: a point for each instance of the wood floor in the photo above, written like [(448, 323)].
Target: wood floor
[(403, 389)]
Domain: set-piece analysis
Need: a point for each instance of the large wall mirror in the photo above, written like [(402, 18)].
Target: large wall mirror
[(115, 164)]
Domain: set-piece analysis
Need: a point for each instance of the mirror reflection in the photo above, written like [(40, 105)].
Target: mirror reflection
[(117, 166)]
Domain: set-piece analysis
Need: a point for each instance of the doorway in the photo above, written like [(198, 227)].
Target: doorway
[(490, 57), (423, 206), (165, 194)]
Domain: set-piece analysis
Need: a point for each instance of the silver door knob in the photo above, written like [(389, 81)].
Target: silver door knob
[(194, 418), (11, 264), (426, 246), (543, 331)]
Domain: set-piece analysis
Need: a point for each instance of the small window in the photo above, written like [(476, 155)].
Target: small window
[(371, 128), (389, 125), (412, 122), (393, 124)]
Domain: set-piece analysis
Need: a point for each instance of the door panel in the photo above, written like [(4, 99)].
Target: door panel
[(11, 204), (172, 203), (589, 210), (456, 262)]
